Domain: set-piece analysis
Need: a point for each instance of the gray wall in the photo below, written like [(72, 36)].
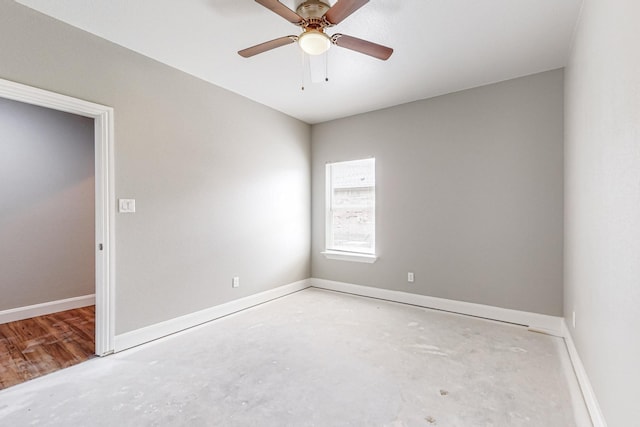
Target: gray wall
[(47, 211), (469, 194), (222, 183), (602, 241)]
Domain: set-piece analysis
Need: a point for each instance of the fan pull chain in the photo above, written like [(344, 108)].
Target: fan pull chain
[(326, 67), (302, 68)]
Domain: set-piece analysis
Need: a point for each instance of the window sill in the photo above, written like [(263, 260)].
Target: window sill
[(350, 256)]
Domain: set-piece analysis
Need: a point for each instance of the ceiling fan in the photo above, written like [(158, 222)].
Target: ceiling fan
[(313, 16)]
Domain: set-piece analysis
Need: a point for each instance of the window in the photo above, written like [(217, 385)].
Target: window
[(351, 208)]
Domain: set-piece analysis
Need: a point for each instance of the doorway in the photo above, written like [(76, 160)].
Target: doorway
[(104, 199)]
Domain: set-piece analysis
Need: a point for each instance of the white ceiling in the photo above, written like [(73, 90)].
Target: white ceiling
[(441, 46)]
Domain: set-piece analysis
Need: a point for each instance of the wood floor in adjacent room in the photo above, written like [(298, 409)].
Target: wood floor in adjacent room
[(34, 347)]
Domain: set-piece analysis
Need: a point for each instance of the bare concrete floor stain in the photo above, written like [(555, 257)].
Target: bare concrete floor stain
[(316, 358)]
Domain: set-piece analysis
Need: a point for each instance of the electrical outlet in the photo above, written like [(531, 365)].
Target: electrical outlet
[(410, 277), (235, 282), (573, 319)]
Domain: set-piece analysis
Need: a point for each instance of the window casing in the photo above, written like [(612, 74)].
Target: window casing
[(351, 207)]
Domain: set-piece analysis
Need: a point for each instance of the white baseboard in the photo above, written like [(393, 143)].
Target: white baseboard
[(541, 322), (30, 311), (168, 327), (597, 418)]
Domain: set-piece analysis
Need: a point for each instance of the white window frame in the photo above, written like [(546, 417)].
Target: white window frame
[(337, 254)]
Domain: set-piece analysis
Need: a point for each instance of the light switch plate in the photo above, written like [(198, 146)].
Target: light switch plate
[(127, 205)]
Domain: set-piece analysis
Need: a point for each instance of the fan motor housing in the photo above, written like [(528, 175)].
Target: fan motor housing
[(312, 9)]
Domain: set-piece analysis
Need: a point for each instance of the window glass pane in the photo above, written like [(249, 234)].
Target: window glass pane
[(352, 206)]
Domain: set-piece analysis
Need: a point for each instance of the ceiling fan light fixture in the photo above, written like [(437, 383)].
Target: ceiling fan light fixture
[(314, 42)]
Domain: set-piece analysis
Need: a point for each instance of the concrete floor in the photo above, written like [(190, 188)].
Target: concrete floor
[(317, 358)]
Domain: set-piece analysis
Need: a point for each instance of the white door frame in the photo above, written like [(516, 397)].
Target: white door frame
[(105, 198)]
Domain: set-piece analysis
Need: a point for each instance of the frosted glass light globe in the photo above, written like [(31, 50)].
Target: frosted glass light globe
[(314, 42)]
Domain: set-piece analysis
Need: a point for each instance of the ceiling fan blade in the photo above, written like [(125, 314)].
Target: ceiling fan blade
[(362, 46), (263, 47), (342, 9), (276, 7)]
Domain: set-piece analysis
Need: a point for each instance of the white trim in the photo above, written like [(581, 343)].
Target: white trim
[(45, 98), (45, 308), (539, 322), (168, 327), (597, 418), (105, 198), (350, 256), (328, 235), (105, 233)]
